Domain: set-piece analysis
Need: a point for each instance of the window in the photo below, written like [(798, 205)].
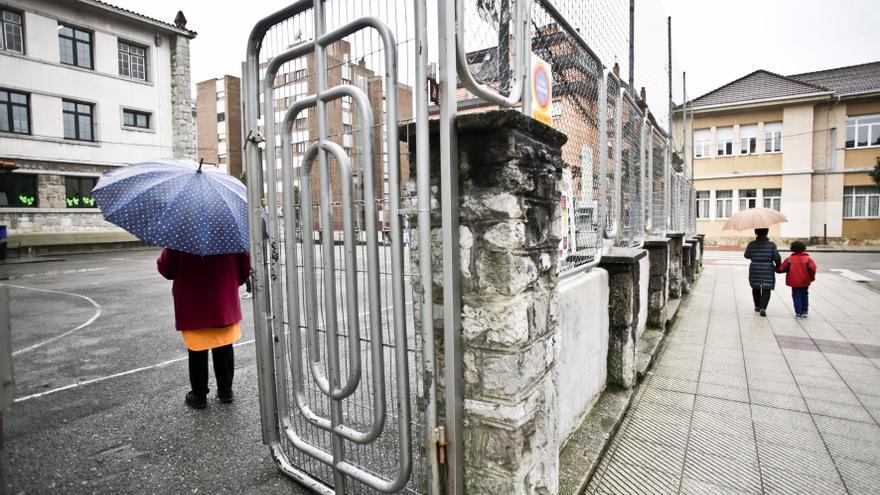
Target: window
[(75, 45), (773, 199), (703, 198), (723, 203), (300, 123), (863, 131), (772, 137), (299, 74), (133, 118), (221, 117), (11, 32), (14, 112), (78, 120), (132, 61), (724, 141), (748, 198), (346, 128), (861, 202), (299, 147), (79, 191), (701, 143), (18, 190), (748, 139)]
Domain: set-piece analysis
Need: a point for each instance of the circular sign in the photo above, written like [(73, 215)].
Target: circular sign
[(541, 86)]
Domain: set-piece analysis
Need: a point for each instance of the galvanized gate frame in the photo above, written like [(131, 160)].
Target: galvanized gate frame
[(271, 339)]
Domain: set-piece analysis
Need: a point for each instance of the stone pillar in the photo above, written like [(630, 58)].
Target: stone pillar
[(51, 191), (623, 269), (658, 287), (675, 263), (702, 240), (184, 130), (510, 166), (687, 265)]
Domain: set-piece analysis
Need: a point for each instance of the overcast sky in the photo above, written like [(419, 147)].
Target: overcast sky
[(714, 41)]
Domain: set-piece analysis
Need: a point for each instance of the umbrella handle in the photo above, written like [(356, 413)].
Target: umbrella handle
[(200, 165)]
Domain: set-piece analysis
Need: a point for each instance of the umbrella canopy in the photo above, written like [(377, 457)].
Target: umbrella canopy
[(754, 218), (177, 204)]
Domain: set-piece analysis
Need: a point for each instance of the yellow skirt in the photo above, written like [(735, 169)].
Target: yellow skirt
[(208, 338)]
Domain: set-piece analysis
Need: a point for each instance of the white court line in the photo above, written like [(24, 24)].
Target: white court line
[(52, 339), (115, 375), (855, 277), (56, 272)]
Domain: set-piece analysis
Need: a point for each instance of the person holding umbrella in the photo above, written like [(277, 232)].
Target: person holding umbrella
[(762, 251), (199, 215)]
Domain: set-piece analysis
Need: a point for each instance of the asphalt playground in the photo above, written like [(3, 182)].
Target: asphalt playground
[(100, 377)]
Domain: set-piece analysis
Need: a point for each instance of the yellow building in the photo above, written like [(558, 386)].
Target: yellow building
[(802, 144)]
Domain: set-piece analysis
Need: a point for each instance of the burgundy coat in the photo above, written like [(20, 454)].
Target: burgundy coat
[(205, 288)]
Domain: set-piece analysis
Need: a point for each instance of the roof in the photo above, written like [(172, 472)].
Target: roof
[(759, 85), (848, 80), (132, 14)]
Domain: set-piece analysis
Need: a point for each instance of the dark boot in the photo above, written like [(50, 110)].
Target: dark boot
[(196, 401)]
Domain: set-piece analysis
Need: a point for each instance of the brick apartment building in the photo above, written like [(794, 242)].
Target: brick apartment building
[(218, 123)]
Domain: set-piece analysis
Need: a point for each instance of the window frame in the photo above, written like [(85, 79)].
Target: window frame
[(145, 56), (849, 199), (773, 138), (74, 202), (76, 41), (3, 23), (76, 115), (137, 113), (728, 200), (853, 124), (706, 203), (221, 116), (9, 107), (771, 199), (35, 198), (747, 199)]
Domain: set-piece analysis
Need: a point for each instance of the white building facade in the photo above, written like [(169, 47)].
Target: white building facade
[(84, 87)]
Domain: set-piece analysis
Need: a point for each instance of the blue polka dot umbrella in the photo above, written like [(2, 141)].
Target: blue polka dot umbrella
[(178, 204)]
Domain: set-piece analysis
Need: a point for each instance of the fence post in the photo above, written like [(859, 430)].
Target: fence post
[(509, 168)]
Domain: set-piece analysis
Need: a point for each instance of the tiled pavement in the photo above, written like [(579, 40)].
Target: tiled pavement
[(738, 403)]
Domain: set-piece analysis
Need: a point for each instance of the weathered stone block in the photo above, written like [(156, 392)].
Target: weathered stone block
[(623, 269)]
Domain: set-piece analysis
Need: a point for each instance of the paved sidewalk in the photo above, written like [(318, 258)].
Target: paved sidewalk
[(738, 403)]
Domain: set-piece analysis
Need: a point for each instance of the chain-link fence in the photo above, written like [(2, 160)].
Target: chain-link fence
[(577, 80), (658, 183), (613, 140), (632, 217)]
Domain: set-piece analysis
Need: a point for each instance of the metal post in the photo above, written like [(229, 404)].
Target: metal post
[(423, 192), (684, 128), (451, 275), (669, 68), (632, 42)]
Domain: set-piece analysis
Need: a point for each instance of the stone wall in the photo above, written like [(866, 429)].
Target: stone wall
[(38, 222), (51, 191), (184, 135)]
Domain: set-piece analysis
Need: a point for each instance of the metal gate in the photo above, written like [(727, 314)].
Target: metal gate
[(345, 344)]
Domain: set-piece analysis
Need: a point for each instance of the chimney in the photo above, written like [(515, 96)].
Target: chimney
[(616, 70), (180, 20), (642, 94)]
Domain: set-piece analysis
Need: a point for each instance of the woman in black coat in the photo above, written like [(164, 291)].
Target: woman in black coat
[(762, 271)]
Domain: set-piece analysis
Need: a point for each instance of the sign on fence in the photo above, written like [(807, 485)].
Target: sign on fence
[(542, 90)]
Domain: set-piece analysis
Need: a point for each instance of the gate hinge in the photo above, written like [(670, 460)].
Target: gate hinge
[(254, 137), (440, 438)]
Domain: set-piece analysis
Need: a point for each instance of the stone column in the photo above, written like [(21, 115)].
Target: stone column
[(658, 287), (623, 269), (702, 240), (687, 265), (509, 170), (675, 263), (184, 130)]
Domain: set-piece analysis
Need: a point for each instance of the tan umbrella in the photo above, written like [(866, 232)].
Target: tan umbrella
[(754, 218)]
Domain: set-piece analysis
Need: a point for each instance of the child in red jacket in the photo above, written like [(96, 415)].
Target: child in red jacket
[(800, 271)]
